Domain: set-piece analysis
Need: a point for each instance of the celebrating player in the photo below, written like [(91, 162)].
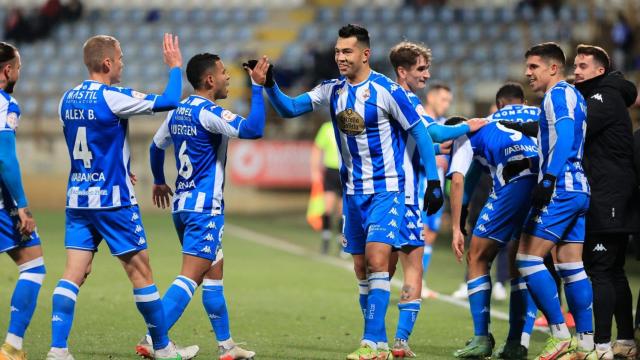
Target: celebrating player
[(512, 160), (559, 204), (200, 130), (411, 63), (18, 235), (101, 203), (370, 114)]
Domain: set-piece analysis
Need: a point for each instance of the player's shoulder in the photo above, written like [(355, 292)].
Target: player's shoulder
[(384, 81), (219, 111), (332, 82), (5, 97)]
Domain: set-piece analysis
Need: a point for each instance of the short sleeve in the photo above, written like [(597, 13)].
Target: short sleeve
[(125, 102), (162, 138), (321, 94), (218, 120), (461, 156)]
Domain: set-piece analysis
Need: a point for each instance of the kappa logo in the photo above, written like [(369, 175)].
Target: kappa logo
[(141, 241), (393, 211), (56, 318), (489, 206), (393, 87), (391, 235), (537, 219), (411, 225), (211, 225), (493, 196), (138, 228), (135, 217), (13, 212), (393, 223), (599, 247), (412, 237), (209, 237), (14, 309), (206, 249), (485, 310), (395, 200), (598, 97), (531, 314), (213, 316), (409, 214), (482, 228), (485, 217), (150, 326)]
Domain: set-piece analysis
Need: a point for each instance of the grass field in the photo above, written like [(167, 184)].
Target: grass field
[(284, 300)]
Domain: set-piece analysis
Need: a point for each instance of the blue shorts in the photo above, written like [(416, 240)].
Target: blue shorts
[(200, 234), (371, 218), (411, 230), (120, 227), (505, 211), (562, 220), (10, 236)]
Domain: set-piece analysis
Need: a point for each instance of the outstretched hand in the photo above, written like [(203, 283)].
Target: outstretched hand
[(476, 124), (162, 196), (257, 72), (171, 51), (251, 65)]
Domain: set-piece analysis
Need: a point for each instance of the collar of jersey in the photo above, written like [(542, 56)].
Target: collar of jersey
[(355, 86), (556, 85), (201, 97)]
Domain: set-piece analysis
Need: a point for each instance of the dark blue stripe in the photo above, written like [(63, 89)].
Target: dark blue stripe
[(353, 145)]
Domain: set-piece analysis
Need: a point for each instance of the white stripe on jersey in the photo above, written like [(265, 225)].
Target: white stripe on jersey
[(345, 154), (200, 202), (568, 181), (73, 196), (220, 163), (126, 156), (115, 195), (553, 136), (94, 197), (4, 107), (363, 147), (181, 199), (384, 128)]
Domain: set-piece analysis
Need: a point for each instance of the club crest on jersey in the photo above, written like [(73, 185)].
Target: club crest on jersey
[(366, 94), (228, 115), (138, 95), (350, 122)]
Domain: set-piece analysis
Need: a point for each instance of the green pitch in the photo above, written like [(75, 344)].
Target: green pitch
[(285, 301)]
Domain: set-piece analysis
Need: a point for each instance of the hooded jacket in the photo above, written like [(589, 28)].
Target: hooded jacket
[(609, 155)]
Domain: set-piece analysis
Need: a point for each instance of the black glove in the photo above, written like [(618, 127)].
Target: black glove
[(463, 219), (433, 198), (529, 128), (543, 192), (269, 82), (514, 168)]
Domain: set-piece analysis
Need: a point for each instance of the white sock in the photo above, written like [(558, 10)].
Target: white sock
[(13, 340), (60, 350), (627, 342), (149, 340), (561, 331), (167, 351), (227, 344), (585, 341), (524, 339), (603, 347), (369, 343)]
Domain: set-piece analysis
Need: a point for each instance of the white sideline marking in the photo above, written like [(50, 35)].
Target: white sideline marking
[(288, 247)]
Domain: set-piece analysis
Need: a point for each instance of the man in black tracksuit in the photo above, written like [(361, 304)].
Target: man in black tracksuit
[(613, 212)]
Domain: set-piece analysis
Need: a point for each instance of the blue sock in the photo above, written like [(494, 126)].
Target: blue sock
[(579, 294), (426, 259), (64, 303), (25, 295), (150, 306), (363, 287), (216, 308), (377, 303), (176, 299), (479, 290), (522, 312), (407, 318), (541, 286)]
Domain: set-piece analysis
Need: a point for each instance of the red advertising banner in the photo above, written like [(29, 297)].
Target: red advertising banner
[(266, 163)]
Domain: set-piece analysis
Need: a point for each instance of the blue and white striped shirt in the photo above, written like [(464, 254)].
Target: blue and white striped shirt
[(9, 119), (415, 176), (564, 103), (370, 120)]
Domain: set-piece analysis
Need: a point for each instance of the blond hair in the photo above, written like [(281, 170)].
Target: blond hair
[(96, 49)]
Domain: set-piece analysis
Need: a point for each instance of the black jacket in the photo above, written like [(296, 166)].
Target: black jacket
[(608, 155)]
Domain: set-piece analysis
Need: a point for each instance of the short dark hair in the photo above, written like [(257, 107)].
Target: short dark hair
[(510, 91), (439, 86), (406, 54), (357, 31), (198, 65), (455, 120), (598, 53), (547, 51), (8, 52)]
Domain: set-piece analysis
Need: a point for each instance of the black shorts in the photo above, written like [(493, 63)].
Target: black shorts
[(332, 181)]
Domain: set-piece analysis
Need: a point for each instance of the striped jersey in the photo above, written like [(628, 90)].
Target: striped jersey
[(494, 146), (9, 118), (412, 164), (564, 103), (95, 122), (199, 131), (370, 120)]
